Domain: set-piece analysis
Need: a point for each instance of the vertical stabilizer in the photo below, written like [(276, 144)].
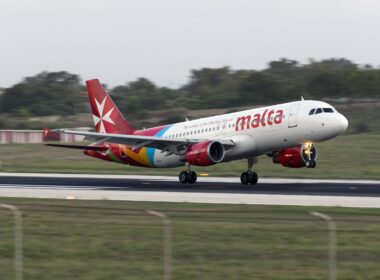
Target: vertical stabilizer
[(107, 117)]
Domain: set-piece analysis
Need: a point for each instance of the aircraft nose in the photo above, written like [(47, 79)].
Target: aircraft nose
[(342, 123)]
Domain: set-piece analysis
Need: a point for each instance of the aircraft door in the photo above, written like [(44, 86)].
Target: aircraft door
[(293, 111)]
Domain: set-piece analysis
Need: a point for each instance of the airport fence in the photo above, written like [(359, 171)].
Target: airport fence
[(110, 241)]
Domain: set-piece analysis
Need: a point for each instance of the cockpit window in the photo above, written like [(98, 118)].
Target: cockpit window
[(318, 111), (328, 110), (312, 112)]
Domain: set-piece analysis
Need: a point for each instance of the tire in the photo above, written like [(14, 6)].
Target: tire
[(183, 177), (192, 177), (253, 178), (313, 164), (244, 178)]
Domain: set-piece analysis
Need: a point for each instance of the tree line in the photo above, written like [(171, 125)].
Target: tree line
[(63, 93)]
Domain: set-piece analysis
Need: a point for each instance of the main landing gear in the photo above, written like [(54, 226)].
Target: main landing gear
[(187, 177), (249, 177)]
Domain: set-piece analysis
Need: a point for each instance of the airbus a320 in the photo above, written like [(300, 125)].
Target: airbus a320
[(285, 132)]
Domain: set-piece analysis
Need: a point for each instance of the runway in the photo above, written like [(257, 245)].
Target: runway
[(347, 193)]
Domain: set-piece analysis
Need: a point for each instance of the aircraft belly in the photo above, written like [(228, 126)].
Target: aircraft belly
[(272, 139), (245, 145), (161, 160)]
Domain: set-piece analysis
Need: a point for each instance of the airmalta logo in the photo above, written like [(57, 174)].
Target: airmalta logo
[(103, 116), (268, 118)]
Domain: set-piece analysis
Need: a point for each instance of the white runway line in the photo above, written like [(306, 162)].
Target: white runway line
[(224, 198)]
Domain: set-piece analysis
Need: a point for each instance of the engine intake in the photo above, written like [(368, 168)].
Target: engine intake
[(204, 153), (297, 157)]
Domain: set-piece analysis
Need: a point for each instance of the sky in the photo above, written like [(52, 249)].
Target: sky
[(119, 41)]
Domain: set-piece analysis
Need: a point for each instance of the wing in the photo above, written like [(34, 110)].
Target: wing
[(92, 148), (170, 145)]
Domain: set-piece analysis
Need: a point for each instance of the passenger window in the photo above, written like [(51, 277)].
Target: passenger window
[(319, 110), (328, 110), (312, 112)]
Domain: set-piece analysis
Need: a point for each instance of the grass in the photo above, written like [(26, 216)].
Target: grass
[(118, 240), (350, 156)]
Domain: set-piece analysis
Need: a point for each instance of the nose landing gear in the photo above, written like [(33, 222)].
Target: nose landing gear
[(310, 164), (309, 155), (249, 177)]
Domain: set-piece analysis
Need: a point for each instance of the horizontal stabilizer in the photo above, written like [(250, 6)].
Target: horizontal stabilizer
[(89, 148)]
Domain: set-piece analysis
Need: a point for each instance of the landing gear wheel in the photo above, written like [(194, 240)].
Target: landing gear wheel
[(192, 177), (310, 164), (244, 178), (187, 177), (249, 177), (253, 178), (183, 177)]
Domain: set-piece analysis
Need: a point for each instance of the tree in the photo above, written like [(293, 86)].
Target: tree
[(54, 93)]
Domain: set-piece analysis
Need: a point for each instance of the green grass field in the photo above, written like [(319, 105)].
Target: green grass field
[(68, 239), (348, 156)]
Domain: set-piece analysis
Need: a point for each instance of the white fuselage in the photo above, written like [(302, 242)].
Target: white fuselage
[(259, 131)]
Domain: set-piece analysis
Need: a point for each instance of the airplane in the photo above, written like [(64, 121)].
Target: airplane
[(285, 132)]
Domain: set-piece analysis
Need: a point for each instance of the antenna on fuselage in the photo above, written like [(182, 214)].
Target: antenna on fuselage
[(302, 98), (186, 119)]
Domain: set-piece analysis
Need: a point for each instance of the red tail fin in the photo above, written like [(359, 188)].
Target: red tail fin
[(107, 117)]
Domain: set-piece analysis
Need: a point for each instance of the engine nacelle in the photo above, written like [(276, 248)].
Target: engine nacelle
[(297, 157), (204, 153)]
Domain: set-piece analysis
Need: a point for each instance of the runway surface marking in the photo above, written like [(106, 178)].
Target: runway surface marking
[(195, 197), (217, 190)]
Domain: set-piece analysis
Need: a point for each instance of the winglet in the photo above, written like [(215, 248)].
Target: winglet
[(51, 135)]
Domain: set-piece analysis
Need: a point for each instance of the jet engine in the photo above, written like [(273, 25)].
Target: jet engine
[(204, 153), (297, 157)]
